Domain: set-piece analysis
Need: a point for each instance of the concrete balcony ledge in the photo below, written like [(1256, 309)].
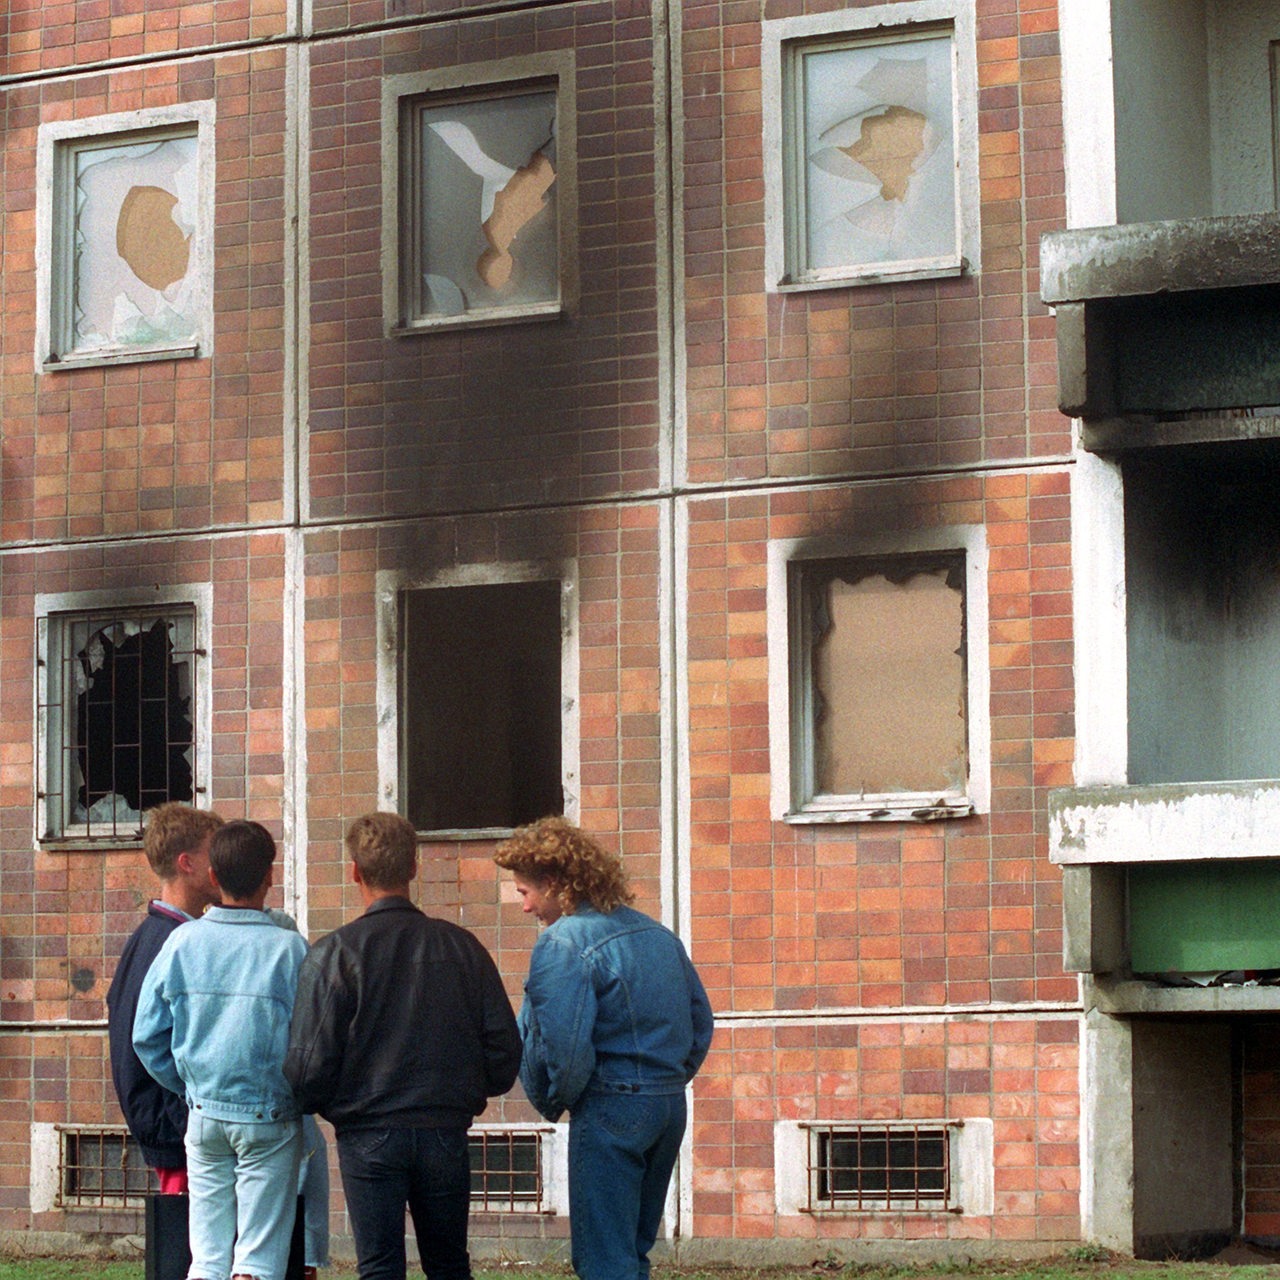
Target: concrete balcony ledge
[(1159, 257), (1169, 822)]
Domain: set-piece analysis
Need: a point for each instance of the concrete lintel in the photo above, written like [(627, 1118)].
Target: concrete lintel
[(1159, 257), (1170, 822), (1109, 435)]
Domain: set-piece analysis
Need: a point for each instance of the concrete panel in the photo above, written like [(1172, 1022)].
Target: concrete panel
[(1183, 1176)]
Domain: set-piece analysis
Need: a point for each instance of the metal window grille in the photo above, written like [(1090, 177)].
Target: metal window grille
[(120, 719), (100, 1168), (506, 1171), (880, 1167)]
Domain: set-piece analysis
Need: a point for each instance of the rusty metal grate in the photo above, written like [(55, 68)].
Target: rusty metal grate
[(506, 1171), (100, 1168), (870, 1167), (119, 710)]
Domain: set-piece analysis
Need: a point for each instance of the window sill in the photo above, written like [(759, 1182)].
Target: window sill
[(879, 274), (97, 359), (886, 809), (91, 843), (541, 311)]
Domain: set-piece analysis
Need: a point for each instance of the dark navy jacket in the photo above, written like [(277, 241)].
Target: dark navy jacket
[(156, 1117)]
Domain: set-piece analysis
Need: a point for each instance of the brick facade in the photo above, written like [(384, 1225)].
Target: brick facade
[(656, 438)]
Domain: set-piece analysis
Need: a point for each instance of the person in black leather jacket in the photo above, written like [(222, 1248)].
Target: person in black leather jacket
[(176, 844), (402, 1031)]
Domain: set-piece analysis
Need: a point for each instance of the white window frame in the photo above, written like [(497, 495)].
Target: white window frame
[(555, 70), (553, 1153), (788, 748), (783, 40), (390, 585), (51, 609), (972, 1158), (56, 145)]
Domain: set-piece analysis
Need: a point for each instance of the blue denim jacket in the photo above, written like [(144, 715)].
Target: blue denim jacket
[(213, 1014), (612, 1004)]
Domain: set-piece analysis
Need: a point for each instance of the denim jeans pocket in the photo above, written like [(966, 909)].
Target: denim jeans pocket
[(366, 1142)]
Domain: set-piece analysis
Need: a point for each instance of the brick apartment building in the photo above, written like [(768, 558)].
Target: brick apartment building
[(715, 491)]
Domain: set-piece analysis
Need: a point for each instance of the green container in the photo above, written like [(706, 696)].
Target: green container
[(1203, 917)]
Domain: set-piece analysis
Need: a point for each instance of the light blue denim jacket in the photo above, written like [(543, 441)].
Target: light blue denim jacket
[(213, 1015), (612, 1004)]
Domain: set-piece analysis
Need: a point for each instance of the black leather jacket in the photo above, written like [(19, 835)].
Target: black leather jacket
[(401, 1019)]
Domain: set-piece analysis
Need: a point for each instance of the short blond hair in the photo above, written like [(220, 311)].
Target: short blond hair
[(173, 829), (570, 864), (385, 848)]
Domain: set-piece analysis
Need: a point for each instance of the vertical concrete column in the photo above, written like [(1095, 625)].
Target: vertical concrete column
[(1106, 1132)]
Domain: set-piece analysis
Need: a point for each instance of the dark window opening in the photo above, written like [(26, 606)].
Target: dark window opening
[(880, 1168), (481, 704), (101, 1167), (506, 1170)]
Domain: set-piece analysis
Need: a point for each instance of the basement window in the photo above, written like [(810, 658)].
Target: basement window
[(880, 1167), (506, 1171), (118, 715), (100, 1168), (482, 720)]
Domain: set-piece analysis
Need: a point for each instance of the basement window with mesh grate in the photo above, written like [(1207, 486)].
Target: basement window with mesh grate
[(506, 1171), (100, 1168), (881, 1167)]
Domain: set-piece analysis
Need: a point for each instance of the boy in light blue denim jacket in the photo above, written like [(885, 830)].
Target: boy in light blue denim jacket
[(213, 1025)]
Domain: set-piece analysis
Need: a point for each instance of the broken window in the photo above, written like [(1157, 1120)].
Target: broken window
[(127, 271), (870, 155), (481, 725), (879, 680), (480, 188), (119, 718)]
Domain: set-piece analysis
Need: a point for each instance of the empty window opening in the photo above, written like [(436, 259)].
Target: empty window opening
[(506, 1171), (120, 717), (482, 708), (100, 1167), (879, 1167), (1202, 573), (883, 676)]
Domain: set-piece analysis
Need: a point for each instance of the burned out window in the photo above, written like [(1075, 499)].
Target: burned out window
[(125, 239), (879, 685), (481, 705), (119, 719)]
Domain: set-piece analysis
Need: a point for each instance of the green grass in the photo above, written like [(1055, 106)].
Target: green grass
[(1082, 1263)]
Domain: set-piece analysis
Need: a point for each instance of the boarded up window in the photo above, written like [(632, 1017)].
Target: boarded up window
[(481, 724), (883, 679), (481, 193)]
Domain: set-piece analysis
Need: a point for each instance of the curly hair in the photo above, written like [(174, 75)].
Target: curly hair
[(172, 829), (572, 866)]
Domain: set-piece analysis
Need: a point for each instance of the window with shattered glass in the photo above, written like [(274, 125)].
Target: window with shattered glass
[(881, 681), (127, 279), (480, 184), (119, 718), (870, 159)]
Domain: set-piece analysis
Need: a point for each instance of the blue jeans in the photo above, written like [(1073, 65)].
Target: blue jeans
[(244, 1192), (427, 1169), (622, 1149), (313, 1187)]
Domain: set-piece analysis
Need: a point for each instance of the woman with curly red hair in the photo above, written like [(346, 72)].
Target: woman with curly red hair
[(615, 1024)]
